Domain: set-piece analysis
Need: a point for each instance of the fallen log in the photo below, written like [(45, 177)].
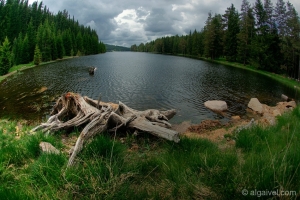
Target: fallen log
[(73, 110)]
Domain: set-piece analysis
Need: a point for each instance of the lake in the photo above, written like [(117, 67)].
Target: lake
[(142, 81)]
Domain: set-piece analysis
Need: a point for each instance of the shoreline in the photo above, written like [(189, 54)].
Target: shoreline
[(278, 77), (23, 67)]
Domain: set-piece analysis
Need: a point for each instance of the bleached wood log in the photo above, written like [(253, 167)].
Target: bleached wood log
[(73, 110)]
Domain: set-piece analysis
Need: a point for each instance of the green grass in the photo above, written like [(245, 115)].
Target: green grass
[(271, 155), (21, 67), (145, 167)]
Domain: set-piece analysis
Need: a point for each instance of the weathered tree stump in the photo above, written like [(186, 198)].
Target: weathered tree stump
[(73, 110)]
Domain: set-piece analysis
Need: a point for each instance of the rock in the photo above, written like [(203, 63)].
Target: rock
[(291, 104), (216, 105), (235, 117), (284, 97), (255, 105), (48, 148)]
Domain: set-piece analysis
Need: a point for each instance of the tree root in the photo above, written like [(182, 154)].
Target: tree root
[(73, 110)]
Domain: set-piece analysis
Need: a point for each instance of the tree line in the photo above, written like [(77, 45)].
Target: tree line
[(31, 32), (263, 35)]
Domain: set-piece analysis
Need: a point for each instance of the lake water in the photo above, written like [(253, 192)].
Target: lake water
[(142, 81)]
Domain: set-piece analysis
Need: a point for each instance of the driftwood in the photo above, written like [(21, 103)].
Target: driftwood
[(73, 110), (92, 70)]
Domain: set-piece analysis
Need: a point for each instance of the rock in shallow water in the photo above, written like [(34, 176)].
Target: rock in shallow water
[(255, 105), (216, 105)]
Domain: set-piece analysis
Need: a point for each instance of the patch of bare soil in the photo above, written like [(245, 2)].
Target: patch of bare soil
[(205, 125)]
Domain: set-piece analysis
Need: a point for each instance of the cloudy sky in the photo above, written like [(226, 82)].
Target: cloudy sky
[(129, 22)]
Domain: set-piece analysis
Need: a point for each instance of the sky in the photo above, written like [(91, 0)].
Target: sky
[(124, 23)]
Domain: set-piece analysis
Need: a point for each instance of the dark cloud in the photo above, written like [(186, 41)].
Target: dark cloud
[(158, 22), (134, 21)]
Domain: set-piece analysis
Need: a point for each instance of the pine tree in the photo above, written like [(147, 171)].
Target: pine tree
[(37, 56), (190, 43), (213, 37), (244, 38), (79, 42), (209, 37), (232, 30), (195, 43), (291, 47), (25, 51), (5, 57), (60, 46), (280, 18), (31, 33), (17, 49)]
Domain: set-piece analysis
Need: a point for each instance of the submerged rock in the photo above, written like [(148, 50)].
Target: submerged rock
[(216, 105)]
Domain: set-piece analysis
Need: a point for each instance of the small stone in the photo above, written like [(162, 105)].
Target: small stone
[(284, 97), (48, 148), (235, 117)]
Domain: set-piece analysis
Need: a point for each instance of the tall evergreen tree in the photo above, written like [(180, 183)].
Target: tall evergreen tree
[(213, 37), (31, 33), (280, 17), (5, 57), (231, 32), (209, 36), (60, 46), (37, 59), (17, 49), (25, 58), (291, 47), (195, 43), (246, 33)]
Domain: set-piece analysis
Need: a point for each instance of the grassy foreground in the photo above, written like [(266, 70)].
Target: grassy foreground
[(265, 162)]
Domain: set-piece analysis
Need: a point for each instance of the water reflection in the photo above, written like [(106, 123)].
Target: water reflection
[(142, 81)]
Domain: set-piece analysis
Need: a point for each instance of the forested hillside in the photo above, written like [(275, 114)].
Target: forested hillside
[(263, 35), (116, 48), (32, 30)]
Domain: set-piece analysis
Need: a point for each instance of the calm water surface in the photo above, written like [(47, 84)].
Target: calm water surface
[(141, 81)]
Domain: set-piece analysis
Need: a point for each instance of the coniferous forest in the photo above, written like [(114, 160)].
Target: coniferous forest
[(32, 33), (264, 35)]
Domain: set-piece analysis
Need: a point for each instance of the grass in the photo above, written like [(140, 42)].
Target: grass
[(145, 167), (272, 155)]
